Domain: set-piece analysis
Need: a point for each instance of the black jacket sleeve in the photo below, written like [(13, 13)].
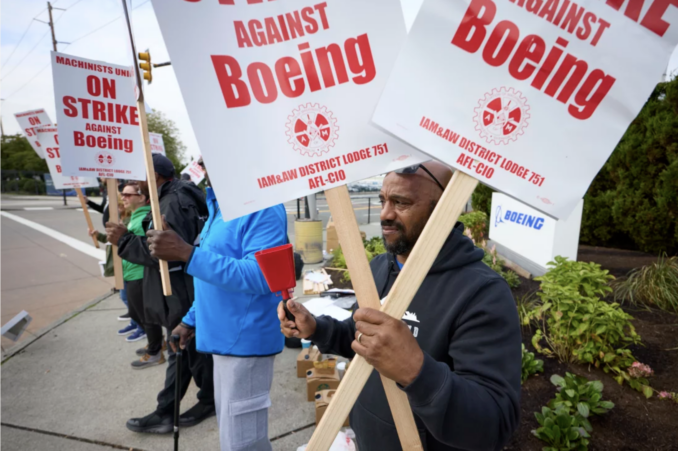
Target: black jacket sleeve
[(476, 406), (134, 249), (333, 336), (96, 207)]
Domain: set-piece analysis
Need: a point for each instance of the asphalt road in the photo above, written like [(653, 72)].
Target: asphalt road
[(49, 278)]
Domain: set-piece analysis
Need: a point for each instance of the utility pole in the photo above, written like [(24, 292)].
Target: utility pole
[(54, 47)]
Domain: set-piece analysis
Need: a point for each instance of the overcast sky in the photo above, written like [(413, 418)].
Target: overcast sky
[(22, 89)]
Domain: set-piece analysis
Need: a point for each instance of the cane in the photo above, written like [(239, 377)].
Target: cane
[(177, 390)]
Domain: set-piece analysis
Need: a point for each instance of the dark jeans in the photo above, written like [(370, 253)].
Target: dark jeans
[(194, 364), (135, 304)]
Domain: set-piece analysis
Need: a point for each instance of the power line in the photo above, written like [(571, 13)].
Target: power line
[(22, 37), (72, 42), (27, 54)]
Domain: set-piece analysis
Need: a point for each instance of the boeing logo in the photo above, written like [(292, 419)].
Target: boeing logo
[(523, 219)]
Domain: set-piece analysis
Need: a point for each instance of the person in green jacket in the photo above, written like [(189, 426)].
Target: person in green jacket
[(137, 204)]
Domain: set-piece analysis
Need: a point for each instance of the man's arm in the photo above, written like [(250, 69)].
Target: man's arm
[(476, 406), (330, 335), (264, 230), (134, 249)]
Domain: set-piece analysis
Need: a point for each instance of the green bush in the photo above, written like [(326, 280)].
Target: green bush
[(481, 199), (476, 224), (32, 186), (580, 327), (580, 397), (530, 365), (654, 285), (526, 304), (495, 262), (373, 247), (633, 201), (560, 430)]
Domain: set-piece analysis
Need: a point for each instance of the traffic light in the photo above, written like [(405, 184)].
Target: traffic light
[(146, 66)]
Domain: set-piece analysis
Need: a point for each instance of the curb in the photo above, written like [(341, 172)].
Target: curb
[(11, 352)]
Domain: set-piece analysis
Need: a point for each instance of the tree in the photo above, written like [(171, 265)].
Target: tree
[(174, 148), (17, 154), (633, 202)]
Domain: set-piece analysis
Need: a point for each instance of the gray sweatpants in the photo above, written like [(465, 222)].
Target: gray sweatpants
[(241, 393)]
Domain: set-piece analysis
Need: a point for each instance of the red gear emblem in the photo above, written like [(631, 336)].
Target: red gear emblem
[(312, 129), (104, 158), (501, 116)]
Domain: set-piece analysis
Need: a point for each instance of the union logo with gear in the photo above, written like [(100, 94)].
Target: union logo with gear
[(104, 158), (312, 129), (501, 116)]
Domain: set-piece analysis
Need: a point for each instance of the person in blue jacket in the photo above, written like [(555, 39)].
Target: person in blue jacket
[(233, 316)]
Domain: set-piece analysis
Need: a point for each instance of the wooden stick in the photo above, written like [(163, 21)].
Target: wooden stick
[(115, 217), (88, 218), (438, 228), (365, 289), (153, 191)]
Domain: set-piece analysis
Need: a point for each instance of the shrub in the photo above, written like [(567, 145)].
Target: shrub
[(481, 199), (530, 365), (32, 186), (495, 262), (560, 430), (476, 224), (580, 397), (373, 247), (526, 304), (580, 327), (632, 202), (654, 285)]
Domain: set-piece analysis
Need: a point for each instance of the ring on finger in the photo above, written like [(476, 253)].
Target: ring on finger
[(360, 336)]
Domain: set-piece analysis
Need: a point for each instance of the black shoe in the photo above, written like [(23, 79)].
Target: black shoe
[(196, 414), (124, 317), (155, 423)]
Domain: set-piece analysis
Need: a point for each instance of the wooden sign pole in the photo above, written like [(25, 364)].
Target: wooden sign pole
[(153, 191), (346, 225), (114, 217), (88, 218), (438, 228), (148, 156)]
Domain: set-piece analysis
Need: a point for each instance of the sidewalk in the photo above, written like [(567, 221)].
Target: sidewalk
[(76, 381)]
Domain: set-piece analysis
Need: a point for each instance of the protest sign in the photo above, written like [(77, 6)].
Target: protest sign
[(28, 120), (194, 171), (98, 118), (281, 102), (530, 97), (49, 140), (157, 143)]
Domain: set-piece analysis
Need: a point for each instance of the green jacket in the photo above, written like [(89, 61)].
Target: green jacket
[(131, 271)]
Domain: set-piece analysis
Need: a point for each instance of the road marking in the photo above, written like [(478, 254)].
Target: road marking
[(85, 248), (90, 210), (38, 208)]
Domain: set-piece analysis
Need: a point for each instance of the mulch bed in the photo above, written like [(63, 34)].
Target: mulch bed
[(635, 423)]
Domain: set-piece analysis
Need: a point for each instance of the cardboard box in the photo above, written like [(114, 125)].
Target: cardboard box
[(306, 358), (318, 382), (325, 366), (322, 400)]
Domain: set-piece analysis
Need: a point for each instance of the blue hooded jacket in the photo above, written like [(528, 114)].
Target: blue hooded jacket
[(234, 312)]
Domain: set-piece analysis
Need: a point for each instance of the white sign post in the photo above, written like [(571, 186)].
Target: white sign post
[(195, 172), (282, 101), (157, 143), (98, 118), (530, 97), (28, 120), (531, 238)]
